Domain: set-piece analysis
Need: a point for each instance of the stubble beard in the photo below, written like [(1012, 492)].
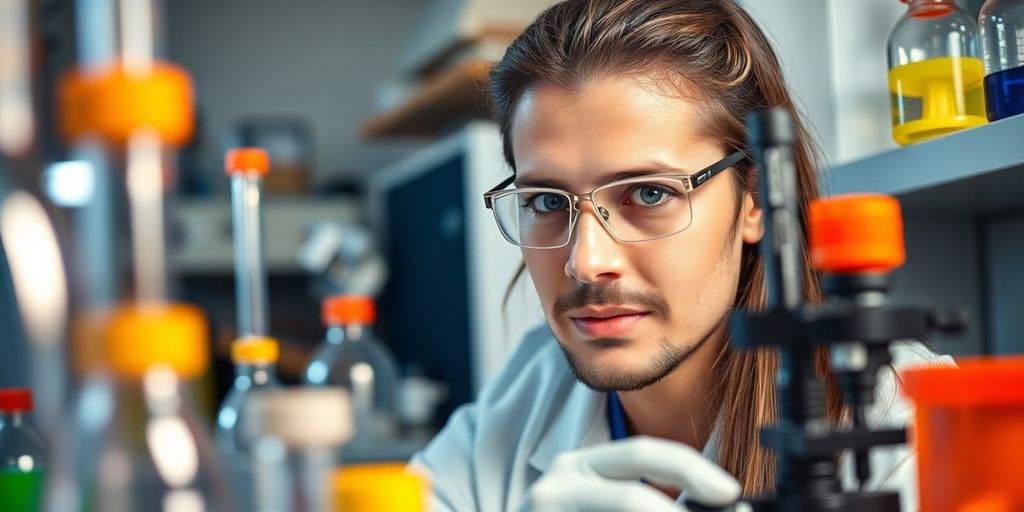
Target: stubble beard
[(667, 356)]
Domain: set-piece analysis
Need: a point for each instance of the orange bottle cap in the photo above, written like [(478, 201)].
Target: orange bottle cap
[(348, 309), (247, 161), (856, 233), (142, 336), (255, 350), (114, 103)]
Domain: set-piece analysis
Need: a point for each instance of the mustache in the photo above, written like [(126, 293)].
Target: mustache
[(599, 295)]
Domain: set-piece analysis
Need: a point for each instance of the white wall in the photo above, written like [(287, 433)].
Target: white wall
[(799, 36), (324, 60), (833, 56)]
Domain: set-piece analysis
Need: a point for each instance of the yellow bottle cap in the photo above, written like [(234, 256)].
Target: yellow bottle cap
[(255, 350), (141, 336), (374, 487)]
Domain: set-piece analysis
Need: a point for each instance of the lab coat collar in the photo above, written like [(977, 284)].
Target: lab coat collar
[(571, 430)]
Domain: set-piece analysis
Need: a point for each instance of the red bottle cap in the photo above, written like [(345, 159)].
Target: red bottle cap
[(15, 399), (253, 161), (348, 309)]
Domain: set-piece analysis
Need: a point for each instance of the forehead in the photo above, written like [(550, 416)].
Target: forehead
[(605, 126)]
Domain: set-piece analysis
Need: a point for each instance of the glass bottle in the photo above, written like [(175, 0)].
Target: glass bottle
[(254, 360), (22, 453), (935, 72), (352, 358), (1001, 24), (296, 434), (135, 441)]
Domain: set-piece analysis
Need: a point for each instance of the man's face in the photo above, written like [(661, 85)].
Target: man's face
[(627, 314)]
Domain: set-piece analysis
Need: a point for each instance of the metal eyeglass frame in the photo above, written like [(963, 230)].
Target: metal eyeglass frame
[(690, 183)]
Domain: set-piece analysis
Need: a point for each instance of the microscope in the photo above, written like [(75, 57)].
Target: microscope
[(855, 241)]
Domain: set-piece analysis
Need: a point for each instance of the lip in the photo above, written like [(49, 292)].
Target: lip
[(606, 321)]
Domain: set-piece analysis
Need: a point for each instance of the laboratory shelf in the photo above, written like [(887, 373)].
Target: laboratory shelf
[(976, 172)]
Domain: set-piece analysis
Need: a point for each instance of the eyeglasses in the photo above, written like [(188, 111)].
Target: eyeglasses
[(632, 210)]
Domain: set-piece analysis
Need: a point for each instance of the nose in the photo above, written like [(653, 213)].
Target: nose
[(596, 256)]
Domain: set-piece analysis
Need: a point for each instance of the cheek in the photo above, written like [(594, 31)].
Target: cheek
[(547, 270), (695, 270)]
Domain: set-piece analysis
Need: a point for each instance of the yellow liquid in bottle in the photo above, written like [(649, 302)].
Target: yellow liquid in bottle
[(934, 97)]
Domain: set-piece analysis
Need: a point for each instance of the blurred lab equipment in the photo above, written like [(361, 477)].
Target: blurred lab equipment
[(968, 431), (441, 74), (351, 357), (446, 260), (38, 291), (23, 454), (342, 257), (253, 354), (131, 441), (254, 359), (289, 143), (377, 487), (856, 241), (296, 435), (935, 72), (135, 441), (1001, 24), (417, 401), (248, 167), (206, 249)]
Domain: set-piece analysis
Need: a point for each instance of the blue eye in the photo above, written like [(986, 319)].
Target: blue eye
[(547, 202), (650, 195)]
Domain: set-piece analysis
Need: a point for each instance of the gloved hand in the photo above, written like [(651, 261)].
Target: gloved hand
[(606, 478)]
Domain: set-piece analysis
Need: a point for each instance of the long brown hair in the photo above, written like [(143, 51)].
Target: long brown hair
[(713, 53)]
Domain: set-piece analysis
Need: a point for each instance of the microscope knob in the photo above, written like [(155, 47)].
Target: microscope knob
[(855, 234)]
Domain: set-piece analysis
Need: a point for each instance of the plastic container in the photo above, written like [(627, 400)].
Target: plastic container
[(376, 487), (1001, 25), (136, 442), (254, 359), (969, 434), (935, 72), (297, 434), (22, 453), (352, 358)]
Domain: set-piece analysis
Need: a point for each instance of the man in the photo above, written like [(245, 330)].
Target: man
[(635, 208)]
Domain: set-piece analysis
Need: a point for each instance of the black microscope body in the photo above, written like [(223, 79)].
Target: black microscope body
[(856, 326)]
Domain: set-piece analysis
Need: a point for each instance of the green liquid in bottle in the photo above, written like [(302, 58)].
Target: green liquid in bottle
[(20, 490)]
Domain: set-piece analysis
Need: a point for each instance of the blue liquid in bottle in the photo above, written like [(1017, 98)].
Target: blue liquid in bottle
[(1004, 93)]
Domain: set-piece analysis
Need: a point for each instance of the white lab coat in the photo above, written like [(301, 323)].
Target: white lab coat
[(492, 451)]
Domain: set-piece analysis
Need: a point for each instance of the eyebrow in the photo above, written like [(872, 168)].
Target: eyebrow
[(649, 169)]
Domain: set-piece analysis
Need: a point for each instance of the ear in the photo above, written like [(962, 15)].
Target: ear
[(751, 220)]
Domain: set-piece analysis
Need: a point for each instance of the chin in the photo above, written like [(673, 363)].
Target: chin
[(619, 366)]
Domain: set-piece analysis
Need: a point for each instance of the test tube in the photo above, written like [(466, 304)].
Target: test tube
[(247, 167)]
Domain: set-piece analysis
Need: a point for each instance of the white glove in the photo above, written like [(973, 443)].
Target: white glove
[(606, 478)]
